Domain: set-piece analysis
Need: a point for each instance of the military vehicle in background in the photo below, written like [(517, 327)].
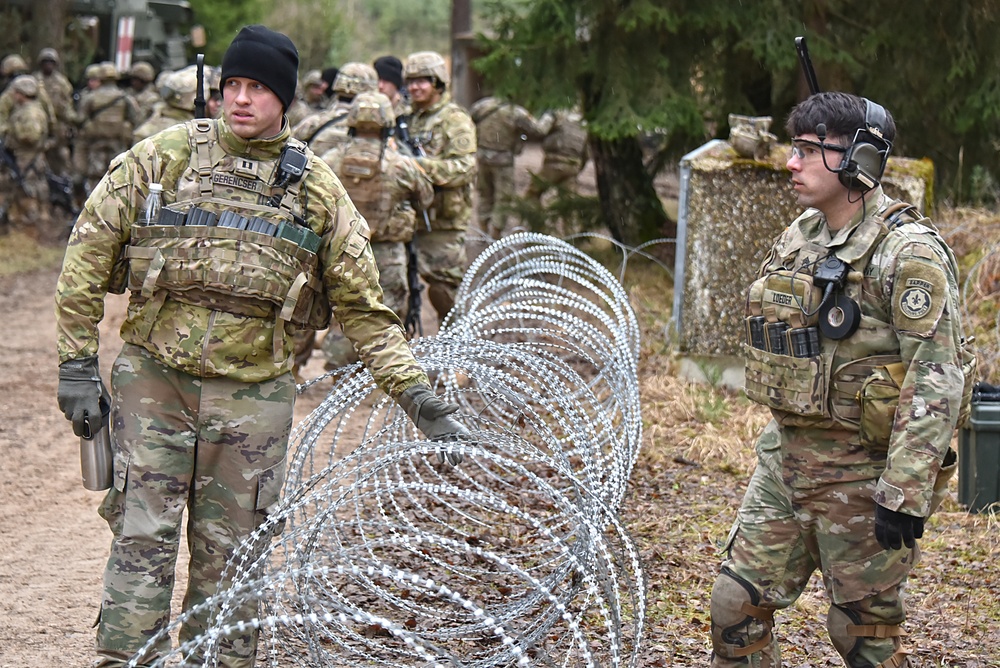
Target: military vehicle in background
[(161, 32)]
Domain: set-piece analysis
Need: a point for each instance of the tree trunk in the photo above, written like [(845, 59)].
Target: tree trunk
[(629, 204), (48, 26)]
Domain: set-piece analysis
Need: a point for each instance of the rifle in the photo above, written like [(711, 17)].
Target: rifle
[(412, 321), (199, 96), (807, 66), (61, 193), (9, 162)]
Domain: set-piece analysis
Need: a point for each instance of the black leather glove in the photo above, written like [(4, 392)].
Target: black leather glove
[(81, 395), (893, 529), (433, 417)]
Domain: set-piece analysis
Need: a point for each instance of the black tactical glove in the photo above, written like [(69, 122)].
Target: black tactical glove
[(81, 394), (433, 417), (894, 529)]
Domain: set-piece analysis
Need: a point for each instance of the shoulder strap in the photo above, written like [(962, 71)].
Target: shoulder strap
[(200, 131), (335, 119), (96, 110)]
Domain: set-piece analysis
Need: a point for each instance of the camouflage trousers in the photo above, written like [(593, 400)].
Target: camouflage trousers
[(495, 187), (212, 445), (26, 205), (792, 523), (390, 257), (442, 260)]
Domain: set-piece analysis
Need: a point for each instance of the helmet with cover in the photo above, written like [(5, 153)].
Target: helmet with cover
[(371, 112), (13, 65), (355, 78), (427, 64), (142, 71)]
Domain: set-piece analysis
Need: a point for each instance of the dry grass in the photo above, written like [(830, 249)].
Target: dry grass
[(21, 253)]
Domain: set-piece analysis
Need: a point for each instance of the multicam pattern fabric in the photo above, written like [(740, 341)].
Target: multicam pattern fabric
[(202, 402), (207, 343), (388, 188), (25, 135), (888, 263), (811, 501), (164, 117), (234, 459), (324, 130), (448, 137)]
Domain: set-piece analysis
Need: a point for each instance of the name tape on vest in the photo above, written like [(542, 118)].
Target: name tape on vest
[(223, 179)]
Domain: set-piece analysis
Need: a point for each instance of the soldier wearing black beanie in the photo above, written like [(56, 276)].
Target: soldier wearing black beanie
[(263, 55), (390, 68)]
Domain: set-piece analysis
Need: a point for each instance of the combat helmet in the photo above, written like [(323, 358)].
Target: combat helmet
[(427, 64), (107, 71), (181, 87), (48, 54), (313, 77), (354, 78), (13, 65), (25, 84), (371, 112), (92, 71), (142, 71)]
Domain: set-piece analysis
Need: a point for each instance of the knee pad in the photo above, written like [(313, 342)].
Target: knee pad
[(740, 627), (857, 642)]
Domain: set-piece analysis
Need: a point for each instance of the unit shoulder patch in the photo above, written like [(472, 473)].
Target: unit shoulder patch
[(919, 296)]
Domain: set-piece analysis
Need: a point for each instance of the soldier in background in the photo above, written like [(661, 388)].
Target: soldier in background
[(312, 100), (500, 128), (25, 190), (390, 84), (60, 92), (107, 117), (178, 92), (142, 90), (565, 154), (447, 135), (389, 189), (858, 453), (324, 130), (201, 394), (12, 67)]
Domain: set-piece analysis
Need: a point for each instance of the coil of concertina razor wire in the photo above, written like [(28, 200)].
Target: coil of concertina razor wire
[(378, 555)]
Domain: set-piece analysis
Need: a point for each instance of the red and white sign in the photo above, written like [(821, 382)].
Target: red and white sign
[(126, 35)]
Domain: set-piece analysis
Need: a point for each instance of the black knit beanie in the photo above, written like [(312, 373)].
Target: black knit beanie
[(266, 56), (390, 68)]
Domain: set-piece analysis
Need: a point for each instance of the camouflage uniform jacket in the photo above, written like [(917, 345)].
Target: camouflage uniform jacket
[(146, 101), (324, 129), (27, 136), (60, 91), (499, 127), (907, 287), (108, 113), (210, 343), (387, 190), (448, 136), (566, 140), (7, 106), (164, 117)]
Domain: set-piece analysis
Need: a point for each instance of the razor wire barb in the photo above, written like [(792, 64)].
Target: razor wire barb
[(377, 555)]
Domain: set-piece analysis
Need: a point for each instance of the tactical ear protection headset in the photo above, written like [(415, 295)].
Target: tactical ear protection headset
[(864, 162)]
